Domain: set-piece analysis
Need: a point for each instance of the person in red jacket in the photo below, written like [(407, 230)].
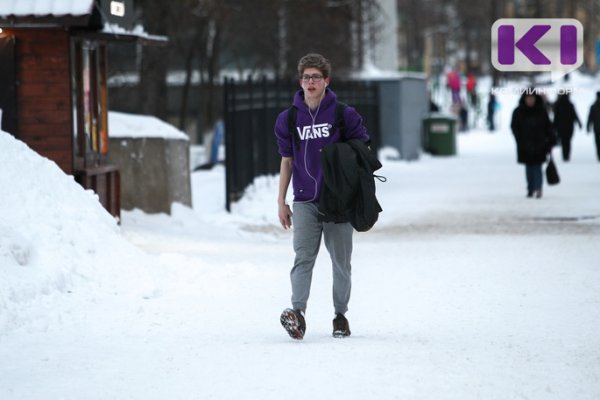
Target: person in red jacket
[(471, 92), (453, 83)]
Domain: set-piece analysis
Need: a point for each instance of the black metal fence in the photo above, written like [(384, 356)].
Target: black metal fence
[(250, 110)]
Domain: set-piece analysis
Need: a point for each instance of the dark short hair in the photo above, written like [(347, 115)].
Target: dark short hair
[(314, 60)]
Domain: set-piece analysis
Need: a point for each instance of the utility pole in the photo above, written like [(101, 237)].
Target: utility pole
[(494, 17), (283, 38)]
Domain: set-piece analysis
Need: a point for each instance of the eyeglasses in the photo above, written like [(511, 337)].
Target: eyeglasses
[(315, 78)]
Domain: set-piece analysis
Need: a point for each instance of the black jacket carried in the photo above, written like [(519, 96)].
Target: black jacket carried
[(348, 193), (533, 131)]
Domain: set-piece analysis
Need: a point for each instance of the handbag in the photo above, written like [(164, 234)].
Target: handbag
[(552, 172)]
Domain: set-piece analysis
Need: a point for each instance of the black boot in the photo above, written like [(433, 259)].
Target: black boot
[(293, 322), (341, 327)]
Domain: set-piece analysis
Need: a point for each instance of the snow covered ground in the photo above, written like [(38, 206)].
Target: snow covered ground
[(464, 290)]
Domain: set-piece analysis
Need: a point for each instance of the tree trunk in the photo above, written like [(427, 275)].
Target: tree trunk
[(185, 90), (153, 82)]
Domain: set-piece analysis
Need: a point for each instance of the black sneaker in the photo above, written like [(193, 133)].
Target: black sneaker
[(293, 322), (341, 328)]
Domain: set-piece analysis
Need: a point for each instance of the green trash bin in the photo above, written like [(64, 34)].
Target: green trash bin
[(439, 136)]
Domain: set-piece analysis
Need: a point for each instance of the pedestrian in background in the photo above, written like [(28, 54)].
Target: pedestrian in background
[(594, 120), (565, 118), (471, 85), (453, 84), (491, 110), (535, 138)]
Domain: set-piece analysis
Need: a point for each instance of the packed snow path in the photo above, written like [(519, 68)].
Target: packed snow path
[(464, 290)]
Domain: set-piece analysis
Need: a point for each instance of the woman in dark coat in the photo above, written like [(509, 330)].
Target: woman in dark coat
[(535, 138), (594, 120), (565, 118)]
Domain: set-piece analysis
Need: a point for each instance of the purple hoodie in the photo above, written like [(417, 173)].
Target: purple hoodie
[(307, 176)]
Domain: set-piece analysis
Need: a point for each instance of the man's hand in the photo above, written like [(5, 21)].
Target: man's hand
[(285, 216)]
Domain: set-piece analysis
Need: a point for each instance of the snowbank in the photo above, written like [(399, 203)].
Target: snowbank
[(55, 237)]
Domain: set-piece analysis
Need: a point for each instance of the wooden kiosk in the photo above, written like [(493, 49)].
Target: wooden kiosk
[(53, 89)]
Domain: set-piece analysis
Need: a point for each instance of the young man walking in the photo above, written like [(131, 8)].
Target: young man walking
[(315, 107)]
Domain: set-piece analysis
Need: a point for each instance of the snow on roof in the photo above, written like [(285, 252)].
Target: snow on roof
[(371, 72), (137, 31), (45, 7), (122, 125)]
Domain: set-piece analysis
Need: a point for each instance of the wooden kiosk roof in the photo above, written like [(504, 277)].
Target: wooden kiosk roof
[(54, 82), (38, 13), (103, 19)]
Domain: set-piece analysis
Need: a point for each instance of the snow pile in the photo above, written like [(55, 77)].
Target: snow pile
[(124, 125), (137, 31), (54, 237)]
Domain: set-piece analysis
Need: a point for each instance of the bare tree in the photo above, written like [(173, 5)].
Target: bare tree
[(152, 90), (207, 37), (461, 28)]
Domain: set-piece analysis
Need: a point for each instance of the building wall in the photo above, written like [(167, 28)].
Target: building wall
[(44, 94), (155, 173)]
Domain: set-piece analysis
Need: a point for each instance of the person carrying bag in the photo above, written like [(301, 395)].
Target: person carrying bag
[(552, 176), (534, 137)]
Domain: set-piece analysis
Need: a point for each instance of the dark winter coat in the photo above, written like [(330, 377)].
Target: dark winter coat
[(565, 117), (533, 132), (594, 116), (348, 193)]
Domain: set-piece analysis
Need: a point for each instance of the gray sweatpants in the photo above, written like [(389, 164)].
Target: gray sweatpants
[(307, 241)]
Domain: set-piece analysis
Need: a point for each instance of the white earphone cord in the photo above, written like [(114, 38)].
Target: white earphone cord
[(306, 146)]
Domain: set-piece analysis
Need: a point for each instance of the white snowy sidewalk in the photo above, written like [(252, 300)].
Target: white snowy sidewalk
[(464, 290)]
